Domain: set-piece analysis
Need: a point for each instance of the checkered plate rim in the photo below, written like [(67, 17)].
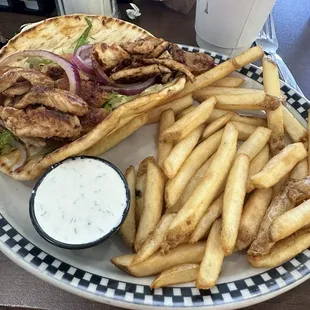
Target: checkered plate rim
[(234, 294)]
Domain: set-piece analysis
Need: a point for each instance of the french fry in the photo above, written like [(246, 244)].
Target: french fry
[(290, 221), (233, 201), (157, 263), (212, 261), (221, 71), (300, 171), (250, 101), (279, 165), (278, 187), (283, 250), (256, 165), (204, 225), (188, 217), (255, 143), (153, 242), (140, 186), (153, 204), (252, 216), (250, 120), (208, 91), (229, 81), (128, 228), (177, 106), (117, 136), (294, 129), (178, 274), (175, 186), (274, 118), (244, 130), (217, 124), (164, 148), (180, 152), (185, 125)]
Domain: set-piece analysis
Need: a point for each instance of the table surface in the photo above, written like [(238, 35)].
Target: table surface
[(21, 289)]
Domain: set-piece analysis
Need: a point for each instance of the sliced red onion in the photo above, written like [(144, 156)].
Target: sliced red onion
[(130, 89), (23, 155), (101, 75), (71, 70), (82, 60)]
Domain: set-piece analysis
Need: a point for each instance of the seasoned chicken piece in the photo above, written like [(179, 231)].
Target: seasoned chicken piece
[(196, 62), (90, 120), (58, 99), (134, 74), (11, 101), (93, 94), (53, 71), (162, 47), (40, 122), (39, 142), (109, 55), (62, 83), (171, 64), (35, 78), (142, 46), (19, 88)]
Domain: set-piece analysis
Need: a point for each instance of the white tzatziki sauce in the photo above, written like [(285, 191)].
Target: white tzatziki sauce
[(80, 201)]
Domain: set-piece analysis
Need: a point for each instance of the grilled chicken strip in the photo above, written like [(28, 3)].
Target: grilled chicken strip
[(90, 120), (19, 88), (58, 99), (40, 122), (196, 62), (35, 78), (162, 47), (109, 55), (171, 64), (134, 74), (142, 46)]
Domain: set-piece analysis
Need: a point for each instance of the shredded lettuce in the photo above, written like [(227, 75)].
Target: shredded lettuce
[(114, 100), (37, 62), (83, 39), (6, 142)]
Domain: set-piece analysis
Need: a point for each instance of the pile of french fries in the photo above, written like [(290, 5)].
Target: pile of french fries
[(222, 182)]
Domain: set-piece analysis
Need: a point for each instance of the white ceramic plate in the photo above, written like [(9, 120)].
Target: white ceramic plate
[(90, 274)]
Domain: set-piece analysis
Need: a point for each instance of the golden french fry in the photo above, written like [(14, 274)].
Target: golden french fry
[(274, 118), (217, 124), (250, 101), (283, 250), (250, 120), (212, 261), (256, 165), (255, 143), (177, 106), (229, 81), (117, 136), (233, 201), (164, 148), (153, 203), (185, 125), (209, 91), (204, 225), (300, 171), (279, 165), (244, 130), (178, 274), (294, 129), (185, 112), (221, 71), (153, 242), (278, 187), (180, 152), (157, 263), (128, 228), (140, 186), (188, 217), (252, 216), (175, 186), (290, 221)]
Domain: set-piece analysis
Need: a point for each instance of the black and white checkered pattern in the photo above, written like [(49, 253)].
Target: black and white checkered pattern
[(231, 292)]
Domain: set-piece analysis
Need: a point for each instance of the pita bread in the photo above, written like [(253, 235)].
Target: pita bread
[(58, 35)]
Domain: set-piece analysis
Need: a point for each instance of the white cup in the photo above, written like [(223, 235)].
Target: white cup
[(230, 26)]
